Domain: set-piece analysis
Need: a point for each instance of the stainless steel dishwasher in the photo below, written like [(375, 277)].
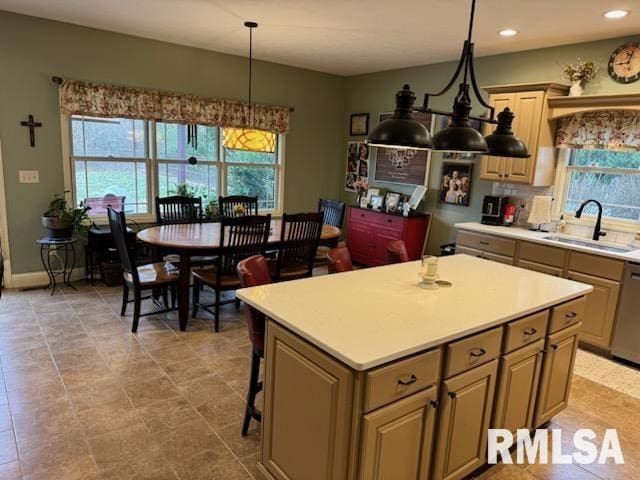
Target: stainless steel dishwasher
[(626, 342)]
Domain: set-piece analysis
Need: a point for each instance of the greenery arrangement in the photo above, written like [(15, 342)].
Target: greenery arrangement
[(583, 71), (73, 218), (184, 189)]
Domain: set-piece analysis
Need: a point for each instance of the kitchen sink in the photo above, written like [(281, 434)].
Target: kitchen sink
[(607, 247)]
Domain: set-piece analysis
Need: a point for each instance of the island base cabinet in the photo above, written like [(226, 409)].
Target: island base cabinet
[(397, 440), (557, 371), (307, 412), (518, 387), (466, 402)]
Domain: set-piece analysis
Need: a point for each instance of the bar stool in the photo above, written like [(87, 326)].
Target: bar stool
[(339, 260), (254, 271), (397, 251)]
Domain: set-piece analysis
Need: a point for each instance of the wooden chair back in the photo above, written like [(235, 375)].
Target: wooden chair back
[(237, 206), (332, 210), (118, 225), (397, 251), (254, 271), (178, 209), (299, 238), (240, 238), (339, 260)]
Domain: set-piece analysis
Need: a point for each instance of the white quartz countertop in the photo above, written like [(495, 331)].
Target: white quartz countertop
[(372, 316), (539, 237)]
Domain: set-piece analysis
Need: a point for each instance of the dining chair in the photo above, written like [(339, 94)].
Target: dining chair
[(237, 205), (254, 271), (178, 209), (159, 275), (296, 252), (240, 238), (397, 251), (333, 214), (339, 260)]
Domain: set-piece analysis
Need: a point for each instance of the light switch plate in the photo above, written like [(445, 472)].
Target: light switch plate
[(29, 176)]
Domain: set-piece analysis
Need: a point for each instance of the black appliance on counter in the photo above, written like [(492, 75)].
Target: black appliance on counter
[(492, 209)]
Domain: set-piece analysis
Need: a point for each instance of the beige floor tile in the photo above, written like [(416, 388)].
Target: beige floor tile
[(79, 356), (52, 419), (187, 371), (92, 394), (80, 469), (30, 375), (239, 445), (42, 453), (84, 373), (151, 391), (35, 356), (172, 353), (5, 418), (10, 471), (8, 451), (108, 417), (168, 414)]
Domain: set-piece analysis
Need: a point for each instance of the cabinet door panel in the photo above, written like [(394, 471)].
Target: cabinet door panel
[(397, 439), (557, 371), (518, 387), (600, 310), (361, 241), (526, 125), (493, 168), (466, 406)]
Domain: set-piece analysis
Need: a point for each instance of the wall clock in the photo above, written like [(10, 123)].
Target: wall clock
[(624, 64)]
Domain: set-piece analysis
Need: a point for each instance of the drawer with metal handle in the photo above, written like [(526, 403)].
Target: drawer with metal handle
[(525, 331), (402, 378), (567, 314), (472, 351)]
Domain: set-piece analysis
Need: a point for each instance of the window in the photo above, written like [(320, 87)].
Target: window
[(126, 163), (611, 177)]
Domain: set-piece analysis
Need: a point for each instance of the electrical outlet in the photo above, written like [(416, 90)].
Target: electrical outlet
[(29, 176)]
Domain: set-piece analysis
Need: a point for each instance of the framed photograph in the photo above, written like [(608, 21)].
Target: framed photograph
[(391, 201), (455, 186), (376, 202), (359, 124), (403, 166), (357, 167)]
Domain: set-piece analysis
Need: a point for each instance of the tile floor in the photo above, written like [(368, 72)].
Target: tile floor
[(82, 398)]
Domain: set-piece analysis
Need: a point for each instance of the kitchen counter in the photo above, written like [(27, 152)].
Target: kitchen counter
[(539, 237), (369, 317)]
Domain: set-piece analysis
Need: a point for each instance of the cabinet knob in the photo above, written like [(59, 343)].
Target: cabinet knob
[(554, 346), (452, 394), (478, 352), (389, 220), (506, 175), (434, 403), (530, 331), (412, 379)]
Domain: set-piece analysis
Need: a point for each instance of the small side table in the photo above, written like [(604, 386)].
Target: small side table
[(64, 253)]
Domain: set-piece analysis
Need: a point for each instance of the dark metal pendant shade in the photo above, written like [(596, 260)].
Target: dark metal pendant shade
[(401, 130), (502, 142), (460, 139)]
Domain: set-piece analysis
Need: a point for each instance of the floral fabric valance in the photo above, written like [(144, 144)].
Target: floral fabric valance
[(608, 129), (81, 98)]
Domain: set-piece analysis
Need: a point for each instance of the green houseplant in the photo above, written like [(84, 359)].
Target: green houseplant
[(61, 221)]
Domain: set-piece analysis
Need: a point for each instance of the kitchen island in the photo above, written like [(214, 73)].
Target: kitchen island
[(369, 376)]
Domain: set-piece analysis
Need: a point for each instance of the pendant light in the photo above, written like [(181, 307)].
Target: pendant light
[(401, 130), (249, 139)]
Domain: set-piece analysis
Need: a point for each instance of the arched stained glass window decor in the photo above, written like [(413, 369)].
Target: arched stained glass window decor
[(249, 139)]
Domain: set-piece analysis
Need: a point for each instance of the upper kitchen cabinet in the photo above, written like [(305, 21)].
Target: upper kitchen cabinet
[(528, 102)]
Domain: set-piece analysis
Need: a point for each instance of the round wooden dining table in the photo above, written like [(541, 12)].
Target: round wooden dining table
[(195, 239)]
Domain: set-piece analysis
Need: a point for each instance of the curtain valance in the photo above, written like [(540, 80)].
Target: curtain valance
[(607, 129), (101, 100)]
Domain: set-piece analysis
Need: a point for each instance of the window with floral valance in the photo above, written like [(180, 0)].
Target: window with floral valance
[(608, 129)]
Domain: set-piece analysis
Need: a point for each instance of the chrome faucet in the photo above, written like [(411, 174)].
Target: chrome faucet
[(597, 233)]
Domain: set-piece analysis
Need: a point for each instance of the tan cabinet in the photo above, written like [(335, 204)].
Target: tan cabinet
[(557, 371), (529, 105), (486, 246), (600, 309), (518, 387), (540, 267), (307, 392), (466, 402), (397, 440)]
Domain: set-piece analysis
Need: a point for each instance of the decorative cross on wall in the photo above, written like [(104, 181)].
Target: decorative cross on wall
[(32, 129)]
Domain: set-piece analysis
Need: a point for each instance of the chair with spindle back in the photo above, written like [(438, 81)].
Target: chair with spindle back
[(299, 238), (240, 238), (178, 209), (339, 260), (397, 251), (237, 205), (254, 271), (333, 214), (138, 278)]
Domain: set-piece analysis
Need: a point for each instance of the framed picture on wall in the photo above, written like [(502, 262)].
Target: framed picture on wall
[(357, 164), (455, 186), (359, 124), (404, 166)]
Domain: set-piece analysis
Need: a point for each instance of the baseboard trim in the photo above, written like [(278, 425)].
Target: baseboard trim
[(23, 281)]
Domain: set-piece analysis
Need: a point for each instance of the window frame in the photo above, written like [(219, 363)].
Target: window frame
[(153, 163), (561, 191)]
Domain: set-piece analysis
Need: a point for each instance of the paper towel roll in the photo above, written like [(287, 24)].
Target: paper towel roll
[(540, 209)]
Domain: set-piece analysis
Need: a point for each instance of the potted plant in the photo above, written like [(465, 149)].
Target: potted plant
[(61, 221), (578, 73)]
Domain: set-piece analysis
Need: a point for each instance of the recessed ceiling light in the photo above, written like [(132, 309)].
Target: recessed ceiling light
[(613, 14), (508, 32)]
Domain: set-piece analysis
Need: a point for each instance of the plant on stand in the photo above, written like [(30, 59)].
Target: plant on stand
[(61, 220), (579, 73), (360, 186)]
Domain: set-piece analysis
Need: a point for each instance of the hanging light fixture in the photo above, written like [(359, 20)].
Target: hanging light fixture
[(402, 130), (249, 139)]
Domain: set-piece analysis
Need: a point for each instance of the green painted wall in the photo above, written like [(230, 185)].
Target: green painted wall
[(32, 50), (374, 93)]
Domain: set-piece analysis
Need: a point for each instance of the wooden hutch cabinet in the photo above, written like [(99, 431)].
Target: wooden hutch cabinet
[(529, 104), (370, 231)]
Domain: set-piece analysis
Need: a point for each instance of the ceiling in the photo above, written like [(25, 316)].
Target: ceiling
[(346, 37)]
